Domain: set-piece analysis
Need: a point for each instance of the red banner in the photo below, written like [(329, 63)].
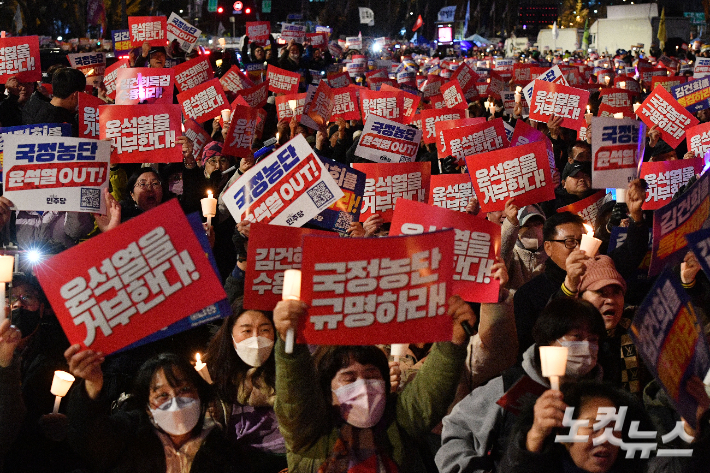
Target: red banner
[(258, 32), (204, 102), (110, 76), (660, 108), (386, 104), (240, 134), (475, 139), (432, 116), (441, 150), (150, 29), (477, 242), (122, 286), (410, 102), (284, 103), (256, 96), (282, 81), (588, 208), (345, 104), (394, 292), (523, 73), (193, 73), (317, 111), (235, 80), (141, 134), (665, 178), (559, 100), (144, 85), (89, 116), (453, 95), (616, 97), (197, 135), (432, 86), (19, 57), (386, 183), (339, 80), (522, 172), (269, 254)]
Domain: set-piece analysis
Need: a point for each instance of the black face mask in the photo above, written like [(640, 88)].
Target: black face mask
[(25, 320)]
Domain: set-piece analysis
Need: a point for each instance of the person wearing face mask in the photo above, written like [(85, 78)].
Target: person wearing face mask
[(241, 363), (335, 410), (522, 243), (475, 434), (164, 426)]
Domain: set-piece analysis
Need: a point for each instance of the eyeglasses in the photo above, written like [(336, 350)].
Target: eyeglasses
[(24, 299), (146, 184), (215, 161), (570, 243)]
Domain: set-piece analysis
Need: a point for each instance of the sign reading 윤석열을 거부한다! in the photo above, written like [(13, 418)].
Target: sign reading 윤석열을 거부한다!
[(289, 187), (148, 29), (376, 290), (55, 173), (19, 57), (126, 284)]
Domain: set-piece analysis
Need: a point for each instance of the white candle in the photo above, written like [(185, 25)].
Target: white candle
[(291, 292), (620, 196), (60, 386), (201, 368), (636, 106), (553, 362), (589, 244), (226, 114), (619, 115), (398, 349), (209, 207), (292, 104), (7, 264)]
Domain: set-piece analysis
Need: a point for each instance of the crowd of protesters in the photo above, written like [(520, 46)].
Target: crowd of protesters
[(349, 408)]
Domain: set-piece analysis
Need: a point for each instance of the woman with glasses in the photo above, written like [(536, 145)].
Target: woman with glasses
[(145, 192)]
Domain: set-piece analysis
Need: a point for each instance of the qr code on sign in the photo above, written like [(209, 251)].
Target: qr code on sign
[(320, 194), (344, 221), (90, 198)]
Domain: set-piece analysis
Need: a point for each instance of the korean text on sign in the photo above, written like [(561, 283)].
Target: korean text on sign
[(616, 150), (381, 290), (386, 184), (431, 117), (121, 42), (386, 141), (287, 188), (346, 210), (234, 80), (661, 109), (150, 273), (111, 75), (51, 173), (204, 102), (19, 56), (694, 95), (588, 208), (451, 191), (241, 132), (143, 85), (665, 178), (387, 105), (699, 139), (475, 139), (560, 101), (282, 81), (522, 172), (193, 73), (182, 31), (476, 243), (150, 29), (89, 115)]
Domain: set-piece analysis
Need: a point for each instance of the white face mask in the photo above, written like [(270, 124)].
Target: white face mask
[(531, 238), (581, 357), (254, 351), (177, 416), (362, 403)]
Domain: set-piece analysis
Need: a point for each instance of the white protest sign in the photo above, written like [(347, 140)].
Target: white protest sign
[(385, 141), (553, 74), (183, 32)]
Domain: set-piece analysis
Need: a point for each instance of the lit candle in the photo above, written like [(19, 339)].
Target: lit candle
[(589, 244), (620, 196), (619, 115), (209, 207), (226, 114), (518, 94), (277, 137), (636, 106), (182, 126), (292, 104), (397, 350), (622, 85), (7, 264), (201, 368), (291, 292), (60, 386), (553, 361)]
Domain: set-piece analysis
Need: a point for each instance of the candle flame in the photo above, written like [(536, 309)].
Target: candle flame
[(590, 230), (198, 358), (209, 196), (518, 89)]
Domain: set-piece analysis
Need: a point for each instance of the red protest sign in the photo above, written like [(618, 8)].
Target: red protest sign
[(240, 134), (646, 75), (389, 303), (477, 242), (19, 57), (258, 32), (377, 74), (235, 80), (150, 29), (256, 96), (524, 134), (141, 134), (559, 100), (450, 191), (89, 116), (627, 83), (317, 112), (523, 73), (269, 254), (665, 178), (588, 208), (124, 285), (136, 85), (204, 102), (386, 183), (282, 81), (453, 95), (496, 84), (345, 104), (111, 75), (522, 172), (609, 111), (431, 86), (441, 150), (386, 104), (339, 80), (473, 139), (318, 40), (410, 102), (432, 116), (616, 97), (667, 82), (376, 83), (284, 104), (193, 73), (698, 139), (197, 135), (660, 108)]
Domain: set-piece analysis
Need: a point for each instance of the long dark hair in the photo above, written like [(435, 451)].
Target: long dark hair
[(228, 370)]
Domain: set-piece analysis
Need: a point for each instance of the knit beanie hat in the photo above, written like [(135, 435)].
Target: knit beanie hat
[(600, 272), (211, 149)]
